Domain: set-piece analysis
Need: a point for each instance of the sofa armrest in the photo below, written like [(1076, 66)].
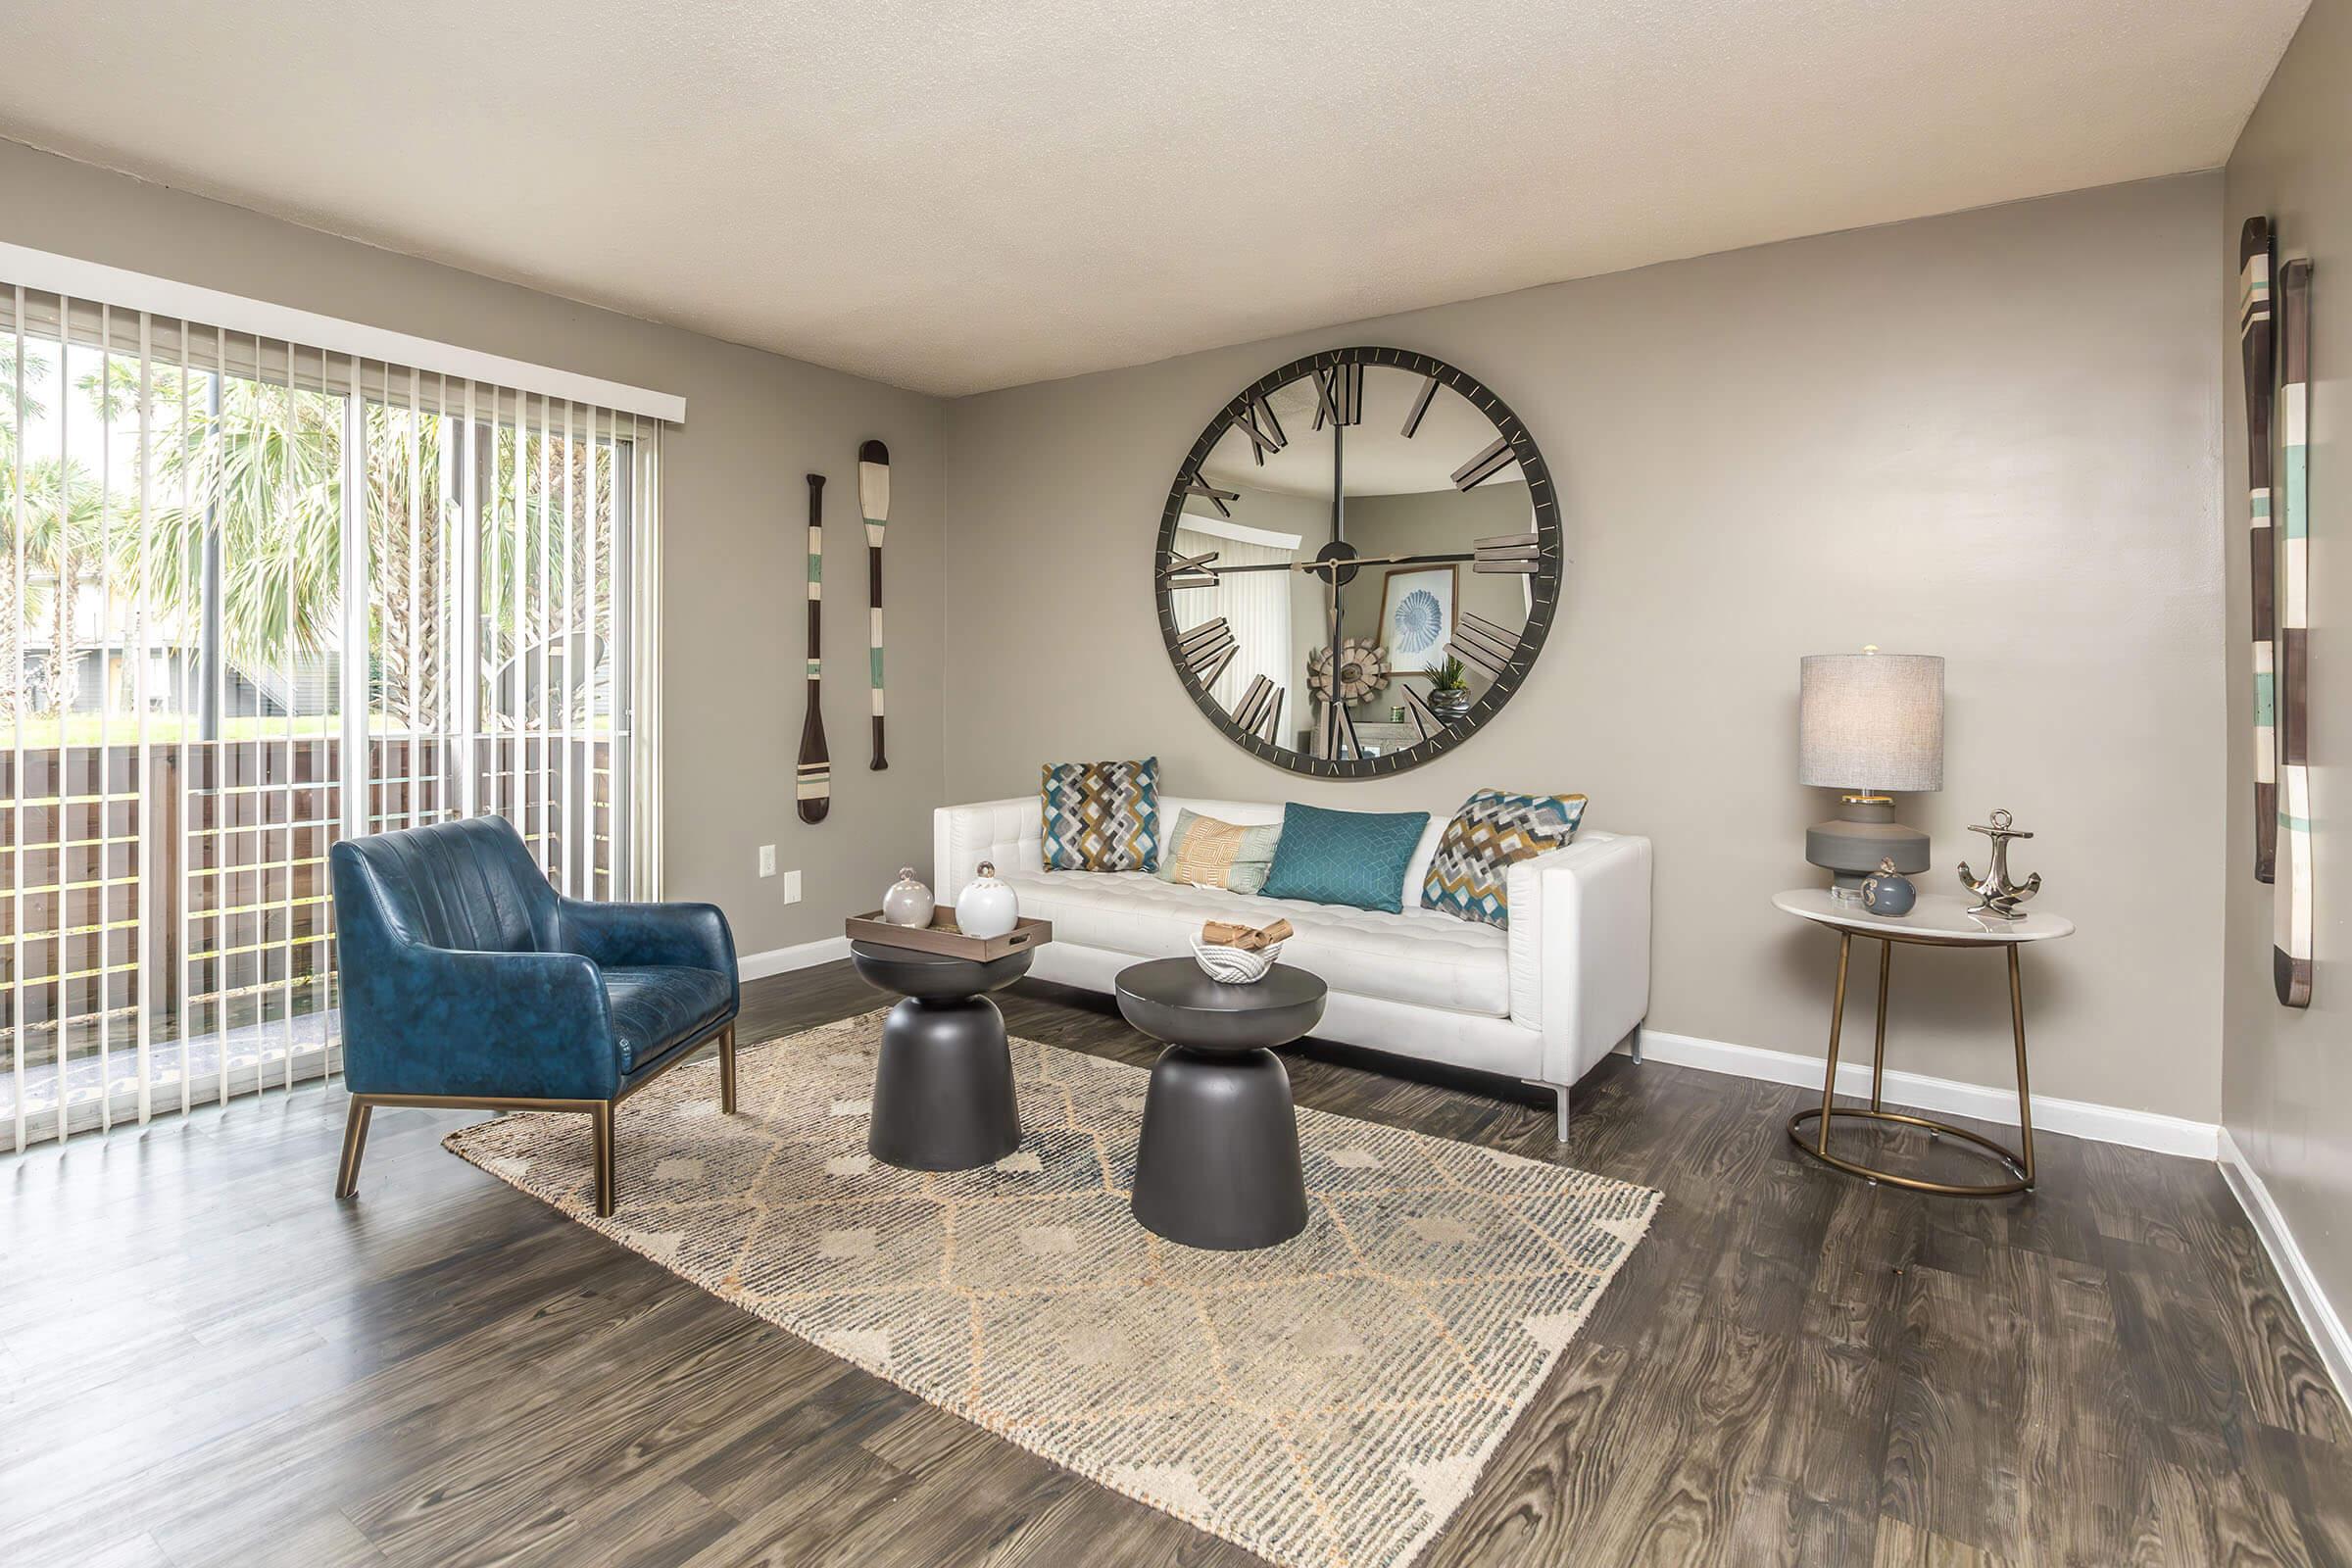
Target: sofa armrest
[(1580, 949), (690, 935), (1011, 832), (424, 1020)]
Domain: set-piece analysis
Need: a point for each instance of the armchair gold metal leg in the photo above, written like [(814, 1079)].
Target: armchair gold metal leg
[(355, 1144), (601, 1117), (726, 1070), (1878, 1054)]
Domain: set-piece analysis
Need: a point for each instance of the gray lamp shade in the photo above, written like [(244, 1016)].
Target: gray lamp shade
[(1872, 722)]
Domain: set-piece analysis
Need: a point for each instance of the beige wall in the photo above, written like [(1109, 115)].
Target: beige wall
[(2286, 1092), (1992, 436), (734, 509)]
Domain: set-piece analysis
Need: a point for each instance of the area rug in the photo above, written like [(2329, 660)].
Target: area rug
[(1329, 1401)]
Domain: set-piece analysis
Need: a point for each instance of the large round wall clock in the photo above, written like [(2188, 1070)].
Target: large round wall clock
[(1358, 562)]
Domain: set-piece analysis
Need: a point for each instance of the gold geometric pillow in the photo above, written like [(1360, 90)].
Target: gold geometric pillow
[(1468, 876), (1101, 817)]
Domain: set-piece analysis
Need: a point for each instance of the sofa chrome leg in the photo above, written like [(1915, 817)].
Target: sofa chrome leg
[(1632, 1042), (726, 1070), (602, 1118), (355, 1144), (1559, 1099)]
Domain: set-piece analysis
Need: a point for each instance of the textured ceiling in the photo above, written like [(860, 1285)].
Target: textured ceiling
[(954, 198)]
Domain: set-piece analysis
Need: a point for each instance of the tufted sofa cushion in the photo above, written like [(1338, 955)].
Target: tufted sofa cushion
[(1416, 956)]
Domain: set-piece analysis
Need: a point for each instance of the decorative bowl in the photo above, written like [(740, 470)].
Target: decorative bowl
[(1234, 966)]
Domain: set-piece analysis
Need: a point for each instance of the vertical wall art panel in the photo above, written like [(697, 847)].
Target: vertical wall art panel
[(2257, 340), (873, 500), (2291, 961)]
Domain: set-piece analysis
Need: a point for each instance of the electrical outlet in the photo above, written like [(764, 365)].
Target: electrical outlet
[(768, 859), (792, 887)]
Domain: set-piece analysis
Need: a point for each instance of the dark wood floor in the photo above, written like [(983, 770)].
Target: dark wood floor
[(204, 1360)]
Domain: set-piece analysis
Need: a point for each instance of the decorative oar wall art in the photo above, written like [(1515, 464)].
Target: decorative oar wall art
[(873, 500), (813, 779), (2274, 344)]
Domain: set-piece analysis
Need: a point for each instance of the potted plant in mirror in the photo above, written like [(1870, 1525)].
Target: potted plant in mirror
[(1449, 691)]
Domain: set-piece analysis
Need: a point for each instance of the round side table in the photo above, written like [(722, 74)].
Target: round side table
[(1216, 1164), (1939, 920), (942, 1084)]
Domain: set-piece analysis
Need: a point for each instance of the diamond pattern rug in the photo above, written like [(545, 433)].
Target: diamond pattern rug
[(1329, 1401)]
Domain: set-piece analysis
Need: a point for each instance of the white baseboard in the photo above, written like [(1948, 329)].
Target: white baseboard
[(783, 960), (1948, 1096), (2327, 1330)]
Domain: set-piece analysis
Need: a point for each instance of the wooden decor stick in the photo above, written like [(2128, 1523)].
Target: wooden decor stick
[(873, 500), (2292, 941), (813, 777), (2257, 345)]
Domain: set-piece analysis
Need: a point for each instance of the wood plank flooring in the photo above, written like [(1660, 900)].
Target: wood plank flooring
[(204, 1360)]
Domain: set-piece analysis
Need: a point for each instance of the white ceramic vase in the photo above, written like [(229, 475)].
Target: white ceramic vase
[(987, 908), (908, 902)]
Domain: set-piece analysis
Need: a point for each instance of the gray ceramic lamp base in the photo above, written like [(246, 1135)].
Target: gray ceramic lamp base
[(1864, 832)]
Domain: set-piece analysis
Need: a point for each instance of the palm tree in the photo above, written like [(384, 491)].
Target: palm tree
[(34, 370), (66, 515)]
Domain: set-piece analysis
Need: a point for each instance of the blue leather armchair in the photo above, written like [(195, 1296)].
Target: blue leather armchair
[(468, 981)]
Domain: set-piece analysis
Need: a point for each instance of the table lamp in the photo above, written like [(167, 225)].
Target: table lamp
[(1868, 723)]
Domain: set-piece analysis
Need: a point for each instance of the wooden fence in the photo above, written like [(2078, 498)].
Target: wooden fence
[(234, 921)]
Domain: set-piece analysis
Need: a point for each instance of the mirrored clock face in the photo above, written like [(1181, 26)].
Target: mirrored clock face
[(1359, 560)]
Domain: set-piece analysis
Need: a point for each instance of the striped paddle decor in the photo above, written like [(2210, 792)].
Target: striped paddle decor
[(2257, 344), (813, 779), (873, 500), (2290, 957)]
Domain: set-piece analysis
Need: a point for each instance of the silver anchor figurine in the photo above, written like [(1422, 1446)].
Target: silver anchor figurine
[(1998, 896)]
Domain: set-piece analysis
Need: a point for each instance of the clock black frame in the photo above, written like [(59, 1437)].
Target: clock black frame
[(1544, 584)]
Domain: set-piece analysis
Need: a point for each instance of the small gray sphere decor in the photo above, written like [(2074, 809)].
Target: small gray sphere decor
[(1890, 893)]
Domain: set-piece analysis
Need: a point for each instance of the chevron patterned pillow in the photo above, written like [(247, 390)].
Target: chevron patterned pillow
[(1468, 875), (1101, 817)]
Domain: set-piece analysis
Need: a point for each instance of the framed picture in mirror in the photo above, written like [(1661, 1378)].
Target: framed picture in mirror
[(1416, 616)]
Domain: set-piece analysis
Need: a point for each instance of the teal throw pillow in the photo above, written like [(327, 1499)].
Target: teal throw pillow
[(1352, 858)]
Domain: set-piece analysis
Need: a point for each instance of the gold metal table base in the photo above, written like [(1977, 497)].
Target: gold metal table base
[(2020, 1165)]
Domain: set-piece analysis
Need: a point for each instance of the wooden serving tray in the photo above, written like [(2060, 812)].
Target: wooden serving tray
[(941, 936)]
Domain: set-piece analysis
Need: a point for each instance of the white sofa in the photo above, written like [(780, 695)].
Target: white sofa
[(1542, 1003)]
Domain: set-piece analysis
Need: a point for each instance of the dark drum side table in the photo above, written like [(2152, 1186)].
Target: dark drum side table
[(1939, 920), (943, 1086), (1216, 1164)]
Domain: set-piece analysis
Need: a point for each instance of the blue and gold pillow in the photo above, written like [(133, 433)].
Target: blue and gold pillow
[(1468, 876), (1101, 817)]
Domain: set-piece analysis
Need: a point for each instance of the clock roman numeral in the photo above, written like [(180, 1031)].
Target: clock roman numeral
[(1206, 650), (1520, 553), (1198, 486), (1257, 422), (1339, 395), (1260, 712), (1191, 571), (1485, 466), (1483, 645), (1413, 419)]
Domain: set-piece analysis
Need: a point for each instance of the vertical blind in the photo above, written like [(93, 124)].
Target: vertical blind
[(259, 596)]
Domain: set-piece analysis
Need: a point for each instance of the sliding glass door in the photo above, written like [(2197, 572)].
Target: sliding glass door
[(256, 597)]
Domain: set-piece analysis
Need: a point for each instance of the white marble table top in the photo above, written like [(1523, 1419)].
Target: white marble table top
[(1937, 917)]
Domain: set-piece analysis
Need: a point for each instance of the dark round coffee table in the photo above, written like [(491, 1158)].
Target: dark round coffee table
[(1218, 1163), (942, 1088)]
